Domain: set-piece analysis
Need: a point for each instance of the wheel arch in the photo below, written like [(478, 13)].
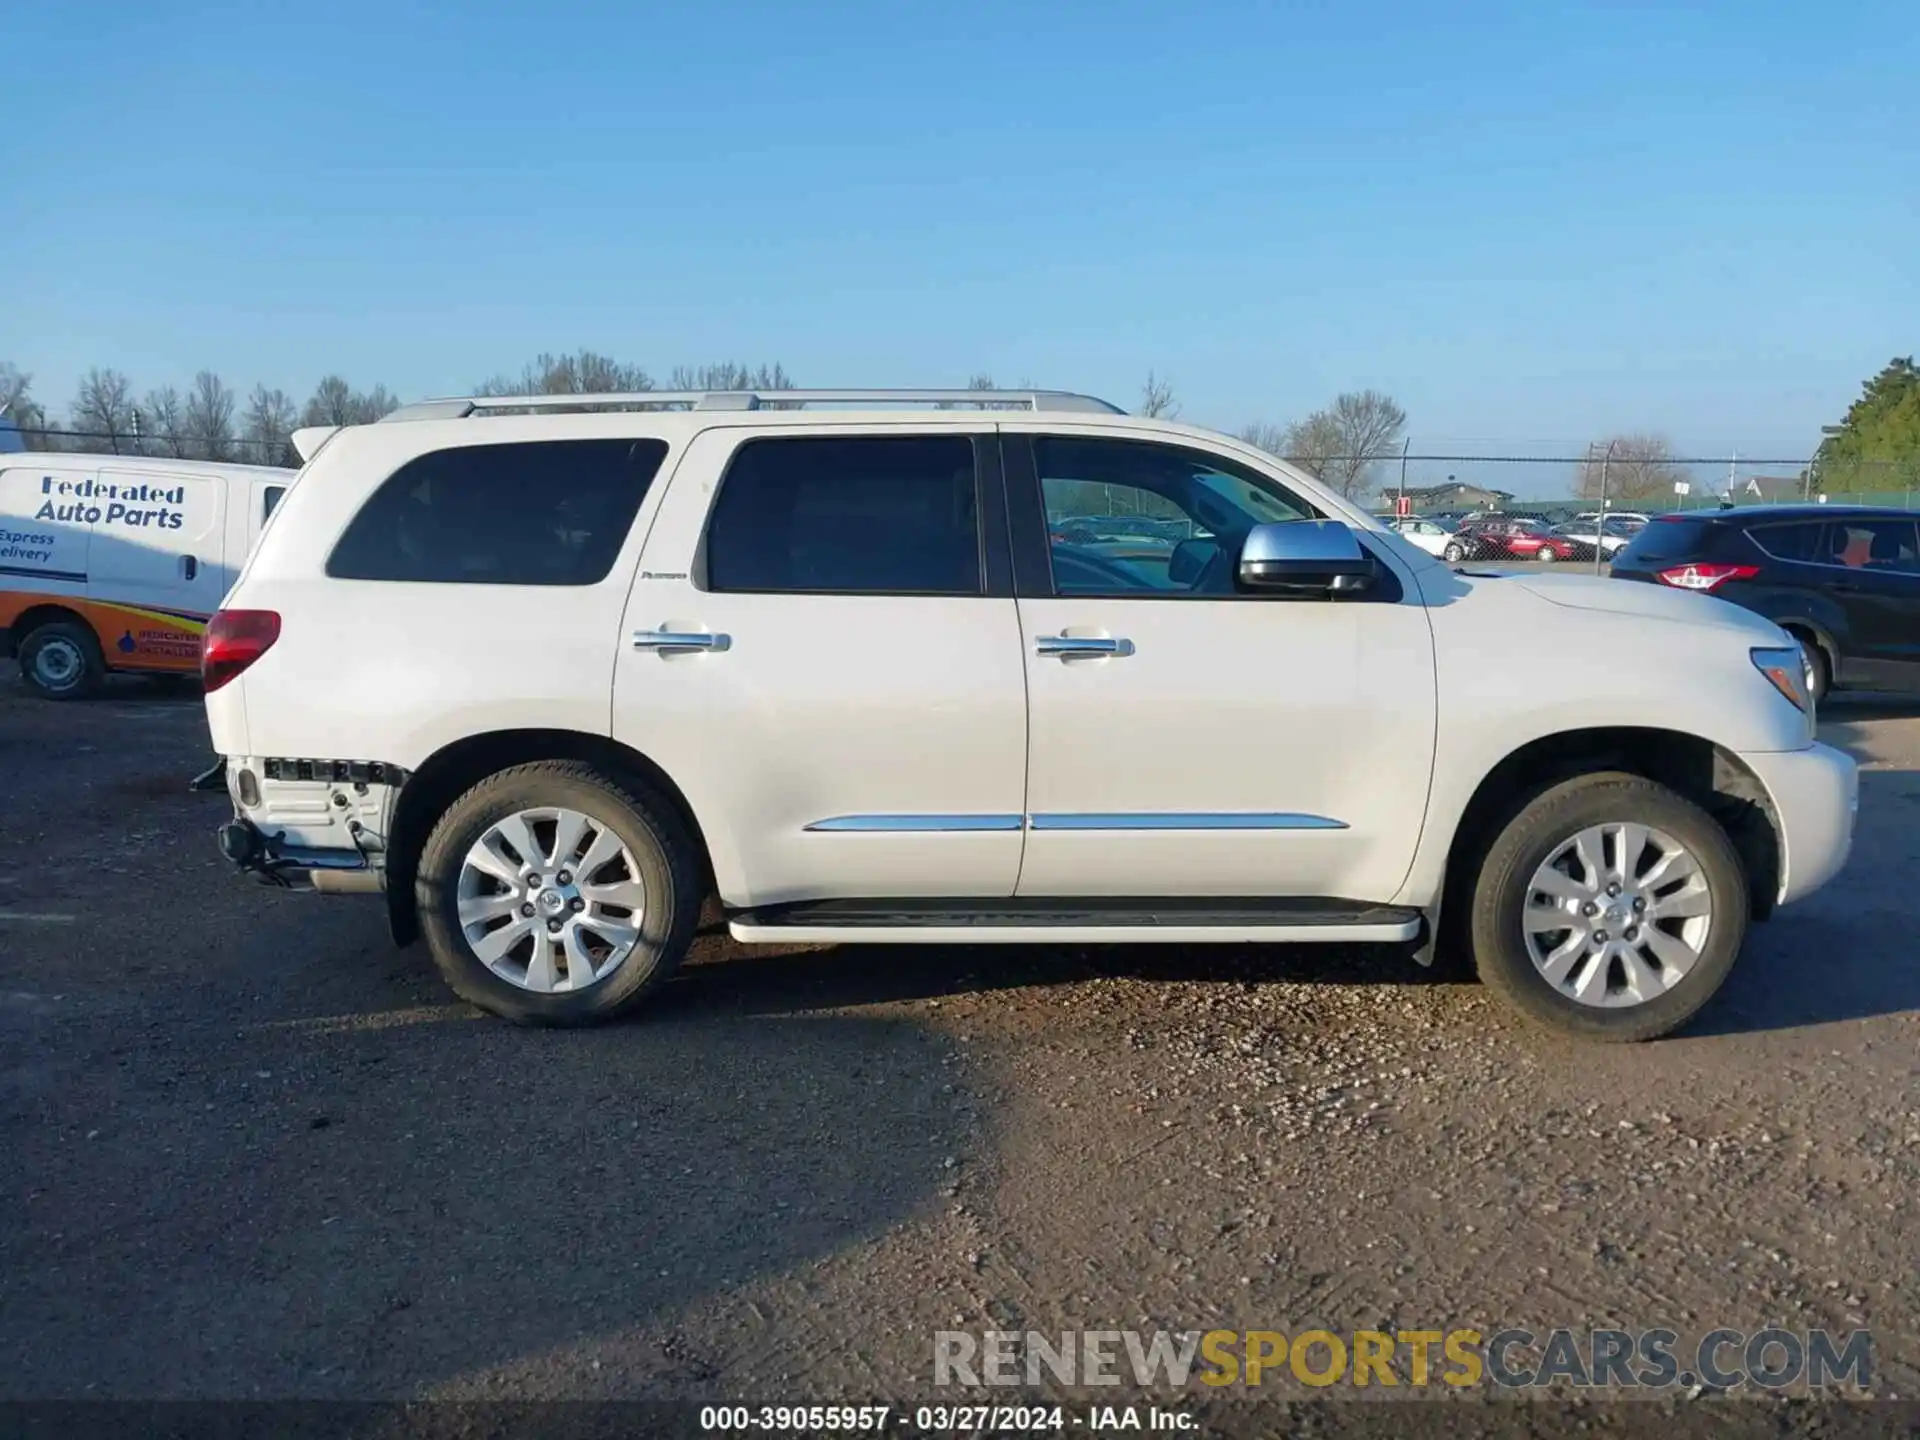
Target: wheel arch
[(455, 768), (1710, 775), (50, 612)]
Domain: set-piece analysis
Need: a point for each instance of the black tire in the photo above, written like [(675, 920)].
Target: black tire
[(61, 660), (1453, 554), (1819, 669), (665, 855), (1538, 827), (1548, 555)]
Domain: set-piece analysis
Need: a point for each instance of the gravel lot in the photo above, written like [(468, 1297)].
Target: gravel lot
[(252, 1150)]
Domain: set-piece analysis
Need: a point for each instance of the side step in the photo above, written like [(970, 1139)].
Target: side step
[(1095, 920)]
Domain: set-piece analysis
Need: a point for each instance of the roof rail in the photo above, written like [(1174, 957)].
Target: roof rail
[(756, 400)]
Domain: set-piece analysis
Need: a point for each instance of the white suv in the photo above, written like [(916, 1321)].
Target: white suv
[(550, 672)]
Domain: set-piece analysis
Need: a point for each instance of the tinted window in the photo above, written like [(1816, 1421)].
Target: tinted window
[(1872, 545), (1799, 541), (1668, 540), (872, 514), (549, 512), (271, 498), (1134, 517)]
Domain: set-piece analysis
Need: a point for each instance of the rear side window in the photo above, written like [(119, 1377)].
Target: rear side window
[(1669, 540), (848, 515), (1799, 541), (546, 512), (270, 497)]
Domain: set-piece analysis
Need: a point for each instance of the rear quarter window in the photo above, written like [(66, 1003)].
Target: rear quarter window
[(1668, 540), (545, 512), (1797, 541)]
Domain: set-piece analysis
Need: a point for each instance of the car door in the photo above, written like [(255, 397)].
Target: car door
[(156, 559), (822, 649), (1873, 570), (1187, 738)]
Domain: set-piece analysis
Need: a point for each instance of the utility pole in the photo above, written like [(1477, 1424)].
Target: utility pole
[(1600, 525), (1401, 508)]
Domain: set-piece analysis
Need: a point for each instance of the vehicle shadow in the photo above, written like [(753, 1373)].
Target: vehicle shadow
[(1847, 951), (287, 1166), (765, 981)]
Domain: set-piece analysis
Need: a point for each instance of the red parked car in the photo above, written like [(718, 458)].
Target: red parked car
[(1497, 537)]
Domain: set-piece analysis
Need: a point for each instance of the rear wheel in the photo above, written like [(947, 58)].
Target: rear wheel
[(555, 894), (1610, 908), (61, 660), (1548, 554)]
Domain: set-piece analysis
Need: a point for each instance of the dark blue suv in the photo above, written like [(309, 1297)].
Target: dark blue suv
[(1843, 579)]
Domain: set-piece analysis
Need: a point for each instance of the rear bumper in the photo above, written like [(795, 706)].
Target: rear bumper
[(1816, 798)]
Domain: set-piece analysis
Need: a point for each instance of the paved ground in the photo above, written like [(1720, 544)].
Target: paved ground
[(251, 1150)]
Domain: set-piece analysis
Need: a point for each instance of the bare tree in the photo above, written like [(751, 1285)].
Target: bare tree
[(334, 402), (728, 376), (162, 423), (1642, 468), (1156, 399), (209, 418), (19, 406), (1341, 444), (584, 373), (1270, 438), (268, 426), (103, 411)]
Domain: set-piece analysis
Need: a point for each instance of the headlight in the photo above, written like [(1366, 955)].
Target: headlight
[(1788, 670)]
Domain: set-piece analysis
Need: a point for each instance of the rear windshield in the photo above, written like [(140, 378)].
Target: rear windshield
[(1668, 540)]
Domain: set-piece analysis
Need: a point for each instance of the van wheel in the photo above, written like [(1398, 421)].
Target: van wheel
[(61, 661), (1610, 908), (554, 894)]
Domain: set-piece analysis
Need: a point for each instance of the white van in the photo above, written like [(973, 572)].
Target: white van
[(114, 562)]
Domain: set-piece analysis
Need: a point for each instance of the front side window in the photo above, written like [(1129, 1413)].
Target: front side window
[(1135, 517), (547, 512), (848, 515)]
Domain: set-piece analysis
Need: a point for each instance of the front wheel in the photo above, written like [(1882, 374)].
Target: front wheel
[(555, 894), (1453, 554), (1609, 908)]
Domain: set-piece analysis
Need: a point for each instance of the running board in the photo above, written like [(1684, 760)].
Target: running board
[(1049, 920)]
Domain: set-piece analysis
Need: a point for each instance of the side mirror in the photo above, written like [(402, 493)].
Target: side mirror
[(1305, 555)]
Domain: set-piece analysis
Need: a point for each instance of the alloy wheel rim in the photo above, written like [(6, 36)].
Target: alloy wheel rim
[(1617, 915), (550, 899)]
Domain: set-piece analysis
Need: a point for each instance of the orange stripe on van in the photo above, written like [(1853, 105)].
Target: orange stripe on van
[(132, 637)]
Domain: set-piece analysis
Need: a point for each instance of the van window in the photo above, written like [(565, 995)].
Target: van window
[(270, 499), (544, 512)]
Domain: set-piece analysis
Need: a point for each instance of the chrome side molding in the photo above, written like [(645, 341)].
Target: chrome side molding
[(1144, 821)]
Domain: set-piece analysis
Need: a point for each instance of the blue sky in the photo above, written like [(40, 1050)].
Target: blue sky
[(1534, 223)]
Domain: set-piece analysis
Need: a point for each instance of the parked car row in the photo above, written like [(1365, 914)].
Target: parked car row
[(1519, 537)]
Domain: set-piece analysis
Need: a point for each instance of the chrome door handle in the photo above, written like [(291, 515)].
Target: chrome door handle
[(668, 641), (1067, 647)]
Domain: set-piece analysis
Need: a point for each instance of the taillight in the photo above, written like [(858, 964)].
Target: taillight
[(234, 640), (1705, 577)]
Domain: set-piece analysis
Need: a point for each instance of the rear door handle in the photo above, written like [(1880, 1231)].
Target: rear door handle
[(671, 641), (189, 567), (1071, 647)]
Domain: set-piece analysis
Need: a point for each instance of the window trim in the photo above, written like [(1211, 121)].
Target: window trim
[(1033, 552), (989, 507)]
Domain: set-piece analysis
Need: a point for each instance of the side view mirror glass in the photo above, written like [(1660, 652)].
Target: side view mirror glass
[(1305, 556)]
